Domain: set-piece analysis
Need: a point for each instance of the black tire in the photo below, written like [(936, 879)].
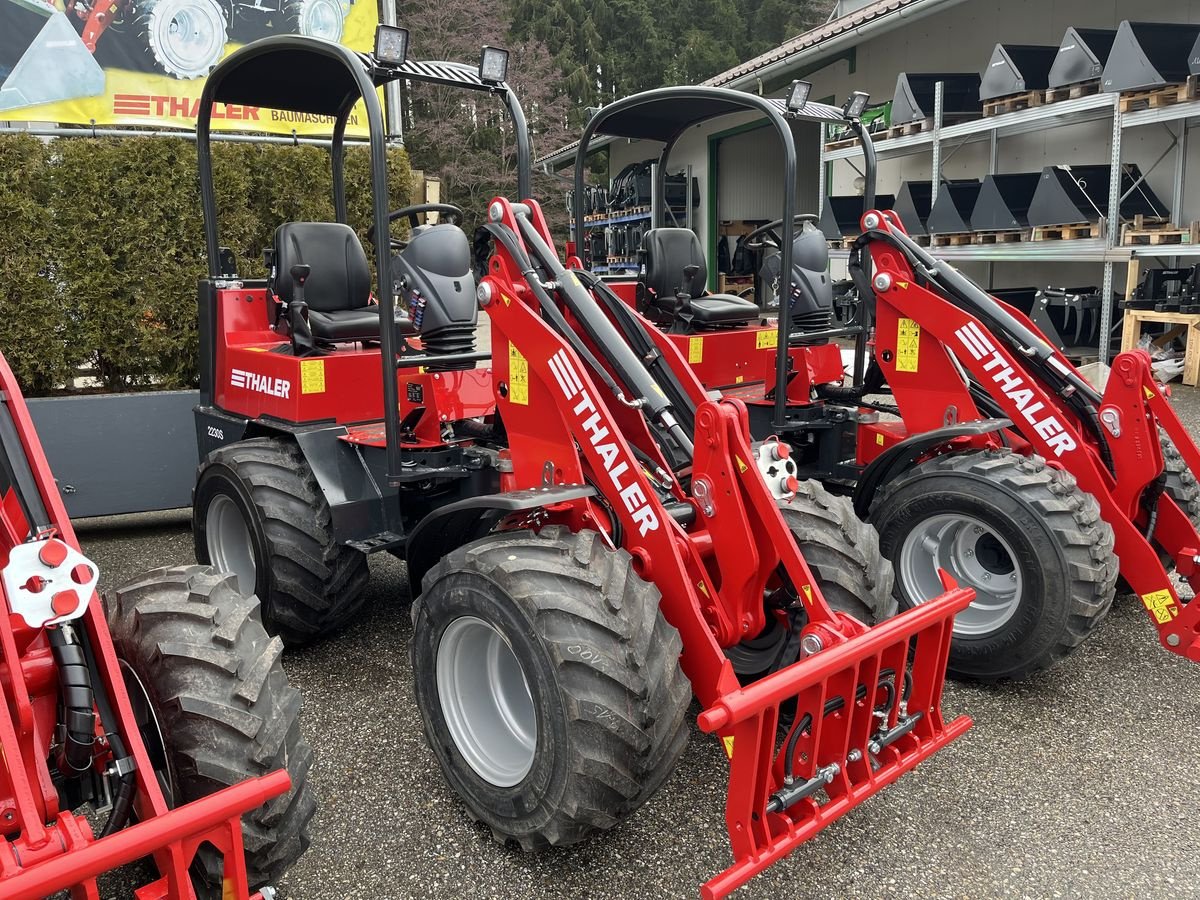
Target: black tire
[(1061, 555), (842, 551), (602, 669), (156, 25), (309, 585), (1180, 484), (224, 708), (314, 18)]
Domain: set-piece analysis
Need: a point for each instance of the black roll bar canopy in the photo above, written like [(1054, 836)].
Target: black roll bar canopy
[(301, 74), (666, 114)]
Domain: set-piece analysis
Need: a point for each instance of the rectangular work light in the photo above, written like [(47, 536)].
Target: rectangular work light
[(493, 65), (798, 95), (391, 45), (856, 104)]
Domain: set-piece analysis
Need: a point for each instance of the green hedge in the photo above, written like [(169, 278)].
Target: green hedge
[(101, 244)]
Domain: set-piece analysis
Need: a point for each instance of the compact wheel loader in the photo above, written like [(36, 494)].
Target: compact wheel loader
[(971, 443), (155, 723), (591, 537)]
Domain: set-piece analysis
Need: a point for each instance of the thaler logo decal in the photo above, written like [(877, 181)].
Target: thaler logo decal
[(262, 384), (585, 410), (1015, 389)]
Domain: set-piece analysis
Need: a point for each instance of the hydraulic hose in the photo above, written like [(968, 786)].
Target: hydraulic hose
[(77, 711)]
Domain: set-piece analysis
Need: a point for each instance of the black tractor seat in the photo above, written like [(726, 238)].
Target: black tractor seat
[(338, 290), (671, 285)]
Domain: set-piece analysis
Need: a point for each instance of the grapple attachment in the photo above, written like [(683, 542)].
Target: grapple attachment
[(811, 742)]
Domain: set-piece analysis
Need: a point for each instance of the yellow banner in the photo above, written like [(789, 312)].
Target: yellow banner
[(143, 62)]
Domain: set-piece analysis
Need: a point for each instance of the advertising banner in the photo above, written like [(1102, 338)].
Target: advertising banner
[(143, 62)]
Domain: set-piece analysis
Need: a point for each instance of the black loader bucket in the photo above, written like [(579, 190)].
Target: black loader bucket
[(1003, 203), (1147, 55), (42, 59), (841, 214), (913, 101), (1081, 56), (915, 202), (1015, 68), (951, 211), (1067, 195)]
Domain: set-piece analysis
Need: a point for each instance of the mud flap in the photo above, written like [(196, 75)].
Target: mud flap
[(55, 66), (867, 710)]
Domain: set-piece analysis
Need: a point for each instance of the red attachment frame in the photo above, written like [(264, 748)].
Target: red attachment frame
[(564, 427), (923, 338), (45, 849)]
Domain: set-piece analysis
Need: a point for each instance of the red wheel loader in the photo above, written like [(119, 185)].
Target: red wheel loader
[(170, 720), (971, 443), (592, 539)]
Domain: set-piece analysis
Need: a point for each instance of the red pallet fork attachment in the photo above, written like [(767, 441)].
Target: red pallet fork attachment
[(175, 835), (828, 772)]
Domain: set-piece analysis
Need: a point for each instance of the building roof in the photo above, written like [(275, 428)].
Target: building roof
[(812, 38)]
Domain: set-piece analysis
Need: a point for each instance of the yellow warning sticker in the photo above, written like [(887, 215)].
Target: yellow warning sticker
[(518, 376), (908, 345), (806, 589), (742, 467), (739, 379), (257, 349), (728, 742), (228, 889), (695, 349), (766, 340), (1149, 393), (703, 587), (1161, 605), (312, 376)]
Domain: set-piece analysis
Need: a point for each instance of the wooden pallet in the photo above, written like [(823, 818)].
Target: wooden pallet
[(1000, 237), (1012, 103), (1068, 232), (841, 144), (1155, 236), (842, 243), (1168, 95), (960, 239), (1071, 91)]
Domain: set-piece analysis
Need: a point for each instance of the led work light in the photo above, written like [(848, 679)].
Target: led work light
[(856, 104), (493, 65), (798, 95), (391, 45)]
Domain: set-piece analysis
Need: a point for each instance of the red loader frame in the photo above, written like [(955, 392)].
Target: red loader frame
[(1118, 458), (46, 848), (713, 573)]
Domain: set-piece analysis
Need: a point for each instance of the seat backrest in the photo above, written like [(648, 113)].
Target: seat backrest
[(667, 252), (340, 277)]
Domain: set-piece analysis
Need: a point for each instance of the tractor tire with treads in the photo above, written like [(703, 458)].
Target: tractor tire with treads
[(1181, 484), (214, 707), (1022, 534), (842, 551), (181, 38), (548, 682), (257, 511), (315, 18)]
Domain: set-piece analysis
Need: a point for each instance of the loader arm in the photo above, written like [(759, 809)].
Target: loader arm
[(693, 509), (937, 332)]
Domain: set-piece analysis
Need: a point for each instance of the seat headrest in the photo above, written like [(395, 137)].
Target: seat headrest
[(340, 277), (667, 252)]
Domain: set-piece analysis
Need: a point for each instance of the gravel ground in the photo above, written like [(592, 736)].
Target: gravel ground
[(1077, 784)]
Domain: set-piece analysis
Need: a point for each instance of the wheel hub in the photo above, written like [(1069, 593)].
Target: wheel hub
[(323, 19), (230, 546), (187, 37), (486, 701), (976, 556), (150, 730)]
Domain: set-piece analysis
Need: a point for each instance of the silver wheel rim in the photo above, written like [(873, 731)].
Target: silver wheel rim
[(230, 547), (187, 36), (322, 19), (486, 701), (976, 556)]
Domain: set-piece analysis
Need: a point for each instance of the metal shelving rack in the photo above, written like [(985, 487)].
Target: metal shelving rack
[(1105, 251)]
